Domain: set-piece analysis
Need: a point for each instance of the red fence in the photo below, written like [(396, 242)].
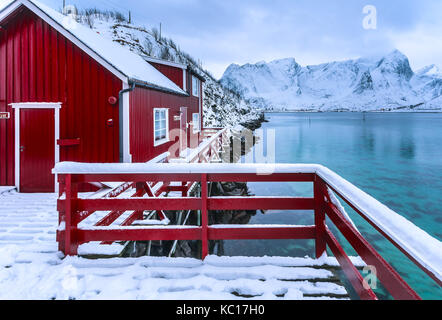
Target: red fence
[(73, 210)]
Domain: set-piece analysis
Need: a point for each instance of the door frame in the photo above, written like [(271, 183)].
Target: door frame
[(17, 107)]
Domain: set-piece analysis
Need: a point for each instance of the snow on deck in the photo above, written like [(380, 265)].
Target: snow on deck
[(32, 268), (6, 189)]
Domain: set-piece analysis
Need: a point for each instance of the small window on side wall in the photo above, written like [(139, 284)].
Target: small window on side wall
[(195, 86), (161, 126), (196, 122)]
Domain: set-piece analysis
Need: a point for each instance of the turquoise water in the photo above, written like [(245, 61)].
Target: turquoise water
[(395, 157)]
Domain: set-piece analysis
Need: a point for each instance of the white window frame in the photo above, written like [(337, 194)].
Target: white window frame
[(195, 86), (166, 139), (197, 128)]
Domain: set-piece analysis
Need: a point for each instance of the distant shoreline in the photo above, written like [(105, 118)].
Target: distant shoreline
[(331, 111)]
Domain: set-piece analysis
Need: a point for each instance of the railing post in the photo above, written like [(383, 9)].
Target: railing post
[(319, 194), (204, 217), (140, 190), (61, 214), (70, 243)]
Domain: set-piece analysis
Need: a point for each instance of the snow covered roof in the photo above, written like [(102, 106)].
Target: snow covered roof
[(125, 64), (165, 62)]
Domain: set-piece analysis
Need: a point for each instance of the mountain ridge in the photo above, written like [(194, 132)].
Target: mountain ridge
[(385, 83)]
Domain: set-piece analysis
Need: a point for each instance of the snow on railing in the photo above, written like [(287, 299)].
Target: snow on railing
[(424, 250)]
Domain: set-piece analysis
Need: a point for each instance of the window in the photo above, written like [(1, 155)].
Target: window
[(196, 122), (161, 126), (195, 86)]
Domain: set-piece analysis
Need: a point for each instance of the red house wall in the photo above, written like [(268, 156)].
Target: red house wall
[(173, 73), (142, 104), (38, 64)]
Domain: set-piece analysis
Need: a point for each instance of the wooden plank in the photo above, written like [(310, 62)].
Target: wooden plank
[(144, 204), (390, 279), (247, 233), (255, 177), (397, 245), (349, 269), (260, 203), (137, 234)]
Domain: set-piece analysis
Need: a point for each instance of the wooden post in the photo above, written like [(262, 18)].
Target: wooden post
[(319, 193), (204, 217), (70, 243), (61, 238), (185, 190), (141, 189)]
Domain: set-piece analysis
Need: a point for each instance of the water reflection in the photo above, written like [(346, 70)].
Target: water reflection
[(407, 148)]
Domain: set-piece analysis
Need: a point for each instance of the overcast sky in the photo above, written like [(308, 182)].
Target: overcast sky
[(221, 32)]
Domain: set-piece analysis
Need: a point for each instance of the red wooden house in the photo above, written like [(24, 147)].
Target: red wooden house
[(69, 94)]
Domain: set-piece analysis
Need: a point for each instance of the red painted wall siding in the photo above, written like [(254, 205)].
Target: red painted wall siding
[(142, 103), (173, 73), (38, 64)]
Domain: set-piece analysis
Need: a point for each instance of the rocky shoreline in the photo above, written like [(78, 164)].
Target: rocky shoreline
[(255, 124)]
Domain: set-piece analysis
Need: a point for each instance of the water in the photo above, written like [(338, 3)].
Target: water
[(397, 158)]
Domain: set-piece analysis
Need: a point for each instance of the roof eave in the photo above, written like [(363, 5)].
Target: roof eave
[(141, 83)]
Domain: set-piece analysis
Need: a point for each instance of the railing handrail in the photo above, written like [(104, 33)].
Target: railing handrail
[(418, 245), (423, 249)]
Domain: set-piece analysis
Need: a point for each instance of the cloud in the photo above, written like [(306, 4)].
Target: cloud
[(421, 45), (231, 31)]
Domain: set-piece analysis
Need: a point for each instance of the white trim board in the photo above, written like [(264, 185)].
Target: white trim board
[(17, 107), (36, 105), (127, 156), (6, 11)]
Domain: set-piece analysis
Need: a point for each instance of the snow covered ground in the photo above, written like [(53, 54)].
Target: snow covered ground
[(32, 268)]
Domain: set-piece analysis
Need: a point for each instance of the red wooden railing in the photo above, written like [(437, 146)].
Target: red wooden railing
[(73, 209), (209, 150)]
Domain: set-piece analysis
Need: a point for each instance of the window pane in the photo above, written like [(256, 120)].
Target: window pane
[(195, 86), (196, 122), (160, 125)]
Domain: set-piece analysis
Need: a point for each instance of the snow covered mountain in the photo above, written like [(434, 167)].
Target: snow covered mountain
[(222, 107), (368, 84)]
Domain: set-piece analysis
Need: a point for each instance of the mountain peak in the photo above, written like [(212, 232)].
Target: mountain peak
[(396, 62), (367, 83), (431, 70), (398, 54)]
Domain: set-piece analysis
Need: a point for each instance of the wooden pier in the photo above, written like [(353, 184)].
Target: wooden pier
[(325, 184)]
